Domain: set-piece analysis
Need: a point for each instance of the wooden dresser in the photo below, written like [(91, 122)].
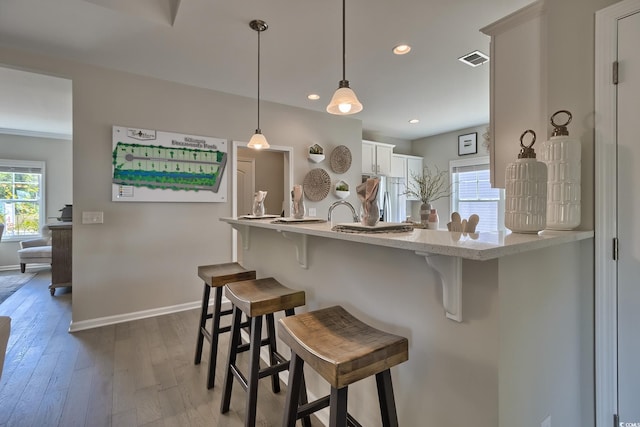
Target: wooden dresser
[(60, 256)]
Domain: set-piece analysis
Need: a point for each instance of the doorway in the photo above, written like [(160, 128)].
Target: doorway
[(628, 208), (246, 178), (617, 246), (281, 176), (36, 126)]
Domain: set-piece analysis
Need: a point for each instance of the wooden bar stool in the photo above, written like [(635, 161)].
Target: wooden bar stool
[(257, 298), (216, 276), (342, 350)]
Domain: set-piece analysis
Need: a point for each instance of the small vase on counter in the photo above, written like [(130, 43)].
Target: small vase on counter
[(298, 209), (258, 203), (425, 210), (433, 220)]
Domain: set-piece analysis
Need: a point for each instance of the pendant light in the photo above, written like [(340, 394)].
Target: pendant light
[(344, 99), (258, 141)]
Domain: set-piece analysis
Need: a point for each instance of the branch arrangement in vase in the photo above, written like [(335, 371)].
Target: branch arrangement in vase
[(429, 186)]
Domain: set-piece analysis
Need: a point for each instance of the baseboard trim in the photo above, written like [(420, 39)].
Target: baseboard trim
[(137, 315)]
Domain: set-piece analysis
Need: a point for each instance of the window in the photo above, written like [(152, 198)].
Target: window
[(21, 198), (471, 193)]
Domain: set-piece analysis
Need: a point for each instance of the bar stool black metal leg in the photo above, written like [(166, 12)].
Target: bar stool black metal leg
[(296, 369), (271, 334), (254, 371), (231, 360), (306, 421), (303, 400), (203, 322), (338, 407), (387, 401), (215, 334)]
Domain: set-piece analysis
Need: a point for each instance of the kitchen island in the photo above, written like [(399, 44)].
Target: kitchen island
[(518, 349)]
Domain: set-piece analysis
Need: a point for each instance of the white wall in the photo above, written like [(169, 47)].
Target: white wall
[(56, 153), (546, 337), (570, 68), (437, 151), (145, 255)]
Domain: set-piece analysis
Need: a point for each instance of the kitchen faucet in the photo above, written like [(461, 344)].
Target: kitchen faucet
[(343, 202)]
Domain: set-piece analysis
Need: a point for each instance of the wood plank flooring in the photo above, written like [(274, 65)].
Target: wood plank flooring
[(139, 373)]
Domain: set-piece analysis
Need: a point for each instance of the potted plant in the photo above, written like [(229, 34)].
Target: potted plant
[(316, 153), (428, 187), (342, 190)]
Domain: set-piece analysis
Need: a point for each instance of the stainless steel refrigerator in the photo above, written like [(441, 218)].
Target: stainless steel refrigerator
[(391, 200)]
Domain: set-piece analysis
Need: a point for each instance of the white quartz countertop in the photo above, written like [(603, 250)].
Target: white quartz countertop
[(480, 246)]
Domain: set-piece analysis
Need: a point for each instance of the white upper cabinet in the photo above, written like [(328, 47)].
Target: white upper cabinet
[(376, 158), (405, 166), (398, 165), (518, 84)]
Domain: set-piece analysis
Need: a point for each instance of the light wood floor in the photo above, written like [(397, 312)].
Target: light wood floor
[(138, 373)]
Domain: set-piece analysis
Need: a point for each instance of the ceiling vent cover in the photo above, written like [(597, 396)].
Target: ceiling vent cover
[(474, 58)]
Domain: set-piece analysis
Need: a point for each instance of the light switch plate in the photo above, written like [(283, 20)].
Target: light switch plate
[(92, 217), (312, 211)]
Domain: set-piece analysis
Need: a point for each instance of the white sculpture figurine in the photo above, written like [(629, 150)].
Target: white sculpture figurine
[(463, 226)]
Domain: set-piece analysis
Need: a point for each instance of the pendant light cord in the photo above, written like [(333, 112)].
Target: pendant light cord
[(259, 81), (344, 49)]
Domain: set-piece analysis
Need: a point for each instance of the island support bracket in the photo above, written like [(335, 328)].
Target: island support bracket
[(244, 232), (449, 268), (300, 240)]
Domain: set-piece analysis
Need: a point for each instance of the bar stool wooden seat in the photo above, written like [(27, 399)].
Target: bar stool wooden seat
[(216, 276), (257, 299), (343, 350)]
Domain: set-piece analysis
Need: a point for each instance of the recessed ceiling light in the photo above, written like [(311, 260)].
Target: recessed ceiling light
[(402, 49), (313, 96), (414, 121)]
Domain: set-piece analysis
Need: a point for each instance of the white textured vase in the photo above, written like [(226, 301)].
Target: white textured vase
[(526, 191), (526, 196), (562, 156)]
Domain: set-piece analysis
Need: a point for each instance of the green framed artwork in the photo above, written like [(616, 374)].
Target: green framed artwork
[(156, 166)]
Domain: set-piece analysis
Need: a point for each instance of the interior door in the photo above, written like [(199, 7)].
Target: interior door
[(628, 159), (245, 177), (246, 185)]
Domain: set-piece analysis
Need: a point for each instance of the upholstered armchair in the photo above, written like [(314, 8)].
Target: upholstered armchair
[(35, 250)]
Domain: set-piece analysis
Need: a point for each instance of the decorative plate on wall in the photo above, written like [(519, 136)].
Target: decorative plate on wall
[(340, 159), (316, 184)]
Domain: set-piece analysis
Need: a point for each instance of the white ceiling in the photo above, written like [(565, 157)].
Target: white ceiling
[(208, 43)]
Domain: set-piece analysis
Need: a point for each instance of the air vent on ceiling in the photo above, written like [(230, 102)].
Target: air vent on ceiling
[(474, 58)]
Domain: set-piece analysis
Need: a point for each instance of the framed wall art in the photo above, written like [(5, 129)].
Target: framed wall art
[(155, 166), (468, 144)]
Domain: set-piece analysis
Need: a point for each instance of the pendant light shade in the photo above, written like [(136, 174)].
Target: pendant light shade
[(344, 100), (258, 141)]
